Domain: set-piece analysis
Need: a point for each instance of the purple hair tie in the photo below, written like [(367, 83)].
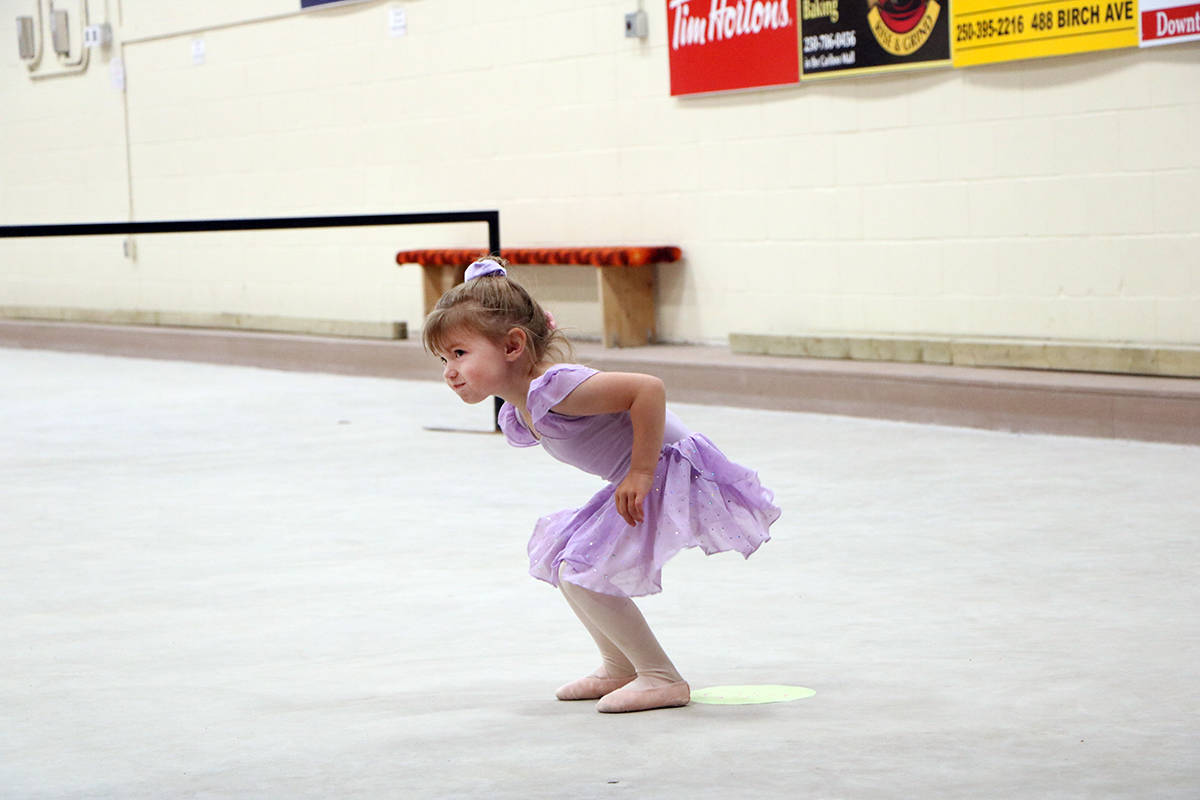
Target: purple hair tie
[(485, 266)]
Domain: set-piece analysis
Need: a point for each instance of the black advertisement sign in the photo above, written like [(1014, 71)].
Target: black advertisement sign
[(845, 37)]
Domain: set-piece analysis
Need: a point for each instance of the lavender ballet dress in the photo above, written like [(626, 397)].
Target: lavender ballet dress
[(699, 497)]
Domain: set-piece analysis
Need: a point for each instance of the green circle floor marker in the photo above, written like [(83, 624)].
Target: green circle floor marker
[(747, 695)]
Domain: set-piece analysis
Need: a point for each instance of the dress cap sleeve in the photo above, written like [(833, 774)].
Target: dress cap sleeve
[(553, 386), (515, 432)]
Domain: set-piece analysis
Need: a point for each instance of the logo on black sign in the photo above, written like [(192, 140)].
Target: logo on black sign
[(902, 26)]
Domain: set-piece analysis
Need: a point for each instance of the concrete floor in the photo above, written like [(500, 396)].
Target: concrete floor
[(225, 582)]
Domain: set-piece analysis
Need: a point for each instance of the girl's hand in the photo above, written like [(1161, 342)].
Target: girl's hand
[(631, 494)]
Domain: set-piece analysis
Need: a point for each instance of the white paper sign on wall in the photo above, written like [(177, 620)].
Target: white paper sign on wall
[(116, 74), (397, 22), (199, 51)]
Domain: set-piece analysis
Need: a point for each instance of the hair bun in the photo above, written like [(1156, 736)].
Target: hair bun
[(484, 267)]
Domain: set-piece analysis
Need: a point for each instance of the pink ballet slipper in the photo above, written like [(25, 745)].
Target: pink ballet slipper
[(622, 700), (591, 687)]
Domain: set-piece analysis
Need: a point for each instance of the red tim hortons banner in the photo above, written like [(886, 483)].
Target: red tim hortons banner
[(721, 45)]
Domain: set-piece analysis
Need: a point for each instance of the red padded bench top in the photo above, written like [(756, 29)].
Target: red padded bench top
[(594, 256), (626, 295)]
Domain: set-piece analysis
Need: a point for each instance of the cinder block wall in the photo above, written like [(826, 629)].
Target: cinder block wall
[(1050, 200)]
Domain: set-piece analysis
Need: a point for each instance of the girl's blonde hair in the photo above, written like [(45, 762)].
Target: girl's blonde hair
[(492, 305)]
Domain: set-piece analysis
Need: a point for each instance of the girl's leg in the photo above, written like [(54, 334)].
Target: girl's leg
[(613, 664), (620, 623), (615, 669)]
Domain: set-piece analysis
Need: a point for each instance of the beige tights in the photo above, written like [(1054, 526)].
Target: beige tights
[(626, 643)]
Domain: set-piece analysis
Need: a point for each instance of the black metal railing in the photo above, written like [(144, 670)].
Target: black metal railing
[(492, 218)]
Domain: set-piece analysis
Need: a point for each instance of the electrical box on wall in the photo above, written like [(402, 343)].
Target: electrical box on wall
[(49, 30), (25, 42), (97, 35), (60, 33), (636, 25)]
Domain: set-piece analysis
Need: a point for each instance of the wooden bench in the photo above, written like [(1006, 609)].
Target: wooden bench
[(625, 276)]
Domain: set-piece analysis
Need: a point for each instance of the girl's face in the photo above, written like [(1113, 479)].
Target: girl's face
[(475, 366)]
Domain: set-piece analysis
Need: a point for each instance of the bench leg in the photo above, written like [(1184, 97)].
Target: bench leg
[(627, 305), (439, 279)]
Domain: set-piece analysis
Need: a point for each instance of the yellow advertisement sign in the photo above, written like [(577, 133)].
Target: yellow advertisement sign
[(986, 31)]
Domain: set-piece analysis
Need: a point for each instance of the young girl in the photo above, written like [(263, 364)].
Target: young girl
[(669, 488)]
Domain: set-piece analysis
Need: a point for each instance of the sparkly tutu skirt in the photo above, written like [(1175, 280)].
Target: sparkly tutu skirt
[(699, 499)]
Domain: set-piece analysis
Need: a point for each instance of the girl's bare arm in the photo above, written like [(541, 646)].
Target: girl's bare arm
[(645, 398)]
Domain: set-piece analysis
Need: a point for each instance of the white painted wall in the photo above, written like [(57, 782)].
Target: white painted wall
[(1056, 199)]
